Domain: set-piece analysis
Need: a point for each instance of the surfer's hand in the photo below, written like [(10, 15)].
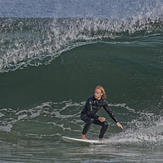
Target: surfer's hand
[(101, 119), (119, 125)]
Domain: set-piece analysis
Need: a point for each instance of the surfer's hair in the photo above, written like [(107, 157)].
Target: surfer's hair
[(101, 88)]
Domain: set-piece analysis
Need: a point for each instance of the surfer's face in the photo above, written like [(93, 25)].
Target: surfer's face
[(98, 94)]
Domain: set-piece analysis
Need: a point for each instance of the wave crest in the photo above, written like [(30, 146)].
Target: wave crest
[(32, 42)]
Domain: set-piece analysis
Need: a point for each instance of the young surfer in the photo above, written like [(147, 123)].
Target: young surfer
[(92, 106)]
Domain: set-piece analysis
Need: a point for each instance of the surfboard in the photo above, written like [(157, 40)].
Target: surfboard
[(69, 139)]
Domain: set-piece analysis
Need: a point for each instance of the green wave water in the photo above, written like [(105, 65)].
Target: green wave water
[(49, 67)]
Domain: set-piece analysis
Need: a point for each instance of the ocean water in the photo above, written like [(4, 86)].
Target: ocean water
[(53, 54)]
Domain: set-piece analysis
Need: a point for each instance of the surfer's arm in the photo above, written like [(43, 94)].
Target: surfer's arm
[(109, 111)]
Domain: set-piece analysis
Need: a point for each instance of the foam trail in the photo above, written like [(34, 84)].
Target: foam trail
[(144, 134)]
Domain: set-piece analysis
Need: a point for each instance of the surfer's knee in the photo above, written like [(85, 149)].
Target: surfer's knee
[(89, 120), (86, 119)]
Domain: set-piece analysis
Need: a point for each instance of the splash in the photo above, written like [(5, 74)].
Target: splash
[(33, 42), (145, 130)]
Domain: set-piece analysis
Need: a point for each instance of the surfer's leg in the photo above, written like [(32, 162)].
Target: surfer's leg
[(86, 126), (85, 130), (88, 122), (103, 129)]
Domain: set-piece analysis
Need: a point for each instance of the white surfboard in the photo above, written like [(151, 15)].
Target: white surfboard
[(69, 139)]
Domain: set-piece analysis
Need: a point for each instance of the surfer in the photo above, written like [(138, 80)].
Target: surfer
[(92, 106)]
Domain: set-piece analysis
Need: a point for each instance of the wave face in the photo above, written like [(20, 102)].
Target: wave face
[(53, 54)]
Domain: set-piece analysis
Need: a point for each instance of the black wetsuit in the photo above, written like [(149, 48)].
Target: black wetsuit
[(88, 114)]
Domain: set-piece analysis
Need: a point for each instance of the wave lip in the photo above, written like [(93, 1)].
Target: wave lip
[(33, 42)]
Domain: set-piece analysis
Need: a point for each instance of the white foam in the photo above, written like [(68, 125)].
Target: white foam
[(146, 132), (52, 109), (146, 128), (6, 128), (1, 115), (123, 105)]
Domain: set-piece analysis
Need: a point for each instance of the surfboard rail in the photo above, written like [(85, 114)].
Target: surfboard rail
[(86, 141)]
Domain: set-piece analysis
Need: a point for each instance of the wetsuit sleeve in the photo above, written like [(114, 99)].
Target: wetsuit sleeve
[(90, 110), (109, 111)]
